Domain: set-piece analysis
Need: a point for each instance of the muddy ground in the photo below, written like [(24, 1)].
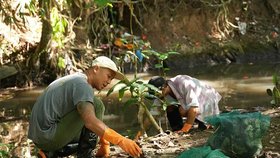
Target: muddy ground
[(171, 144), (13, 138), (161, 145)]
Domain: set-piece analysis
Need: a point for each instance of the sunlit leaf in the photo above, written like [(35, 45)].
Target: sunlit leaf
[(102, 3), (111, 90), (141, 88), (164, 106), (166, 69), (158, 66), (163, 57), (152, 87), (126, 85), (172, 53), (121, 93), (150, 52), (61, 63)]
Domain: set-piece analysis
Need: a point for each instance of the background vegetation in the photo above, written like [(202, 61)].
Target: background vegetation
[(46, 39)]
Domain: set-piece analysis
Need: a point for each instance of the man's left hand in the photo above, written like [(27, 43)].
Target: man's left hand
[(104, 150)]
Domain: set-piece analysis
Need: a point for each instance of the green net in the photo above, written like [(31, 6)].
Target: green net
[(202, 152), (238, 134)]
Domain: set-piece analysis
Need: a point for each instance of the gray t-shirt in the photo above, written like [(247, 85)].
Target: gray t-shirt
[(59, 98)]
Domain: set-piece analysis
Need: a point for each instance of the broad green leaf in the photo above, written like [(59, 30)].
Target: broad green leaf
[(274, 79), (153, 88), (158, 66), (61, 63), (147, 52), (121, 93), (142, 88), (166, 69), (102, 3), (163, 57), (111, 90)]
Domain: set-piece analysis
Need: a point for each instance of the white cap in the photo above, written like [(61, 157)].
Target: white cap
[(106, 62)]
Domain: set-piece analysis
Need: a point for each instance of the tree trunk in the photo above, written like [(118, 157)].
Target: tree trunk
[(81, 13), (151, 118), (46, 35)]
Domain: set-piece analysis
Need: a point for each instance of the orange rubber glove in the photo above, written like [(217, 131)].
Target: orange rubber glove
[(104, 150), (129, 146), (185, 128)]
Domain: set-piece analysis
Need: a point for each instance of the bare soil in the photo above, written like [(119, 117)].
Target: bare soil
[(169, 144)]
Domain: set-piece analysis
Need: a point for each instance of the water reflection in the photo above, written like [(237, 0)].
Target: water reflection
[(19, 104), (242, 86)]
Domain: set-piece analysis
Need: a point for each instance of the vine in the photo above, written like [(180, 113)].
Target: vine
[(222, 25)]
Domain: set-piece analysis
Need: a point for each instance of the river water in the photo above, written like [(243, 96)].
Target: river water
[(241, 86)]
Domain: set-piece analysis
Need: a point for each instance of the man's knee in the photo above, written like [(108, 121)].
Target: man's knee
[(99, 108)]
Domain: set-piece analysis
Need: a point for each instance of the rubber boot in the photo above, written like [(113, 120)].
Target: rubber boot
[(87, 144), (46, 154), (67, 150)]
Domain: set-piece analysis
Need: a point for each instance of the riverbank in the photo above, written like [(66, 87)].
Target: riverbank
[(241, 87), (166, 145)]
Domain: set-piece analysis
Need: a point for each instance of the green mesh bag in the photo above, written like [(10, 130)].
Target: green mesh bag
[(238, 135), (202, 152)]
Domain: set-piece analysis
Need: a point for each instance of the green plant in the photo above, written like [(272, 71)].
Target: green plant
[(275, 92), (59, 24), (134, 47), (5, 150), (161, 58), (138, 96)]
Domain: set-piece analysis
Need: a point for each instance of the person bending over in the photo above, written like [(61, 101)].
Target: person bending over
[(195, 101)]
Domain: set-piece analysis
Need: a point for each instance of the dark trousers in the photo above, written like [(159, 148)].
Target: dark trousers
[(174, 117), (176, 121)]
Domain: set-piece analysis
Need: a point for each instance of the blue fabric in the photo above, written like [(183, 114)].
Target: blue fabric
[(139, 55)]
